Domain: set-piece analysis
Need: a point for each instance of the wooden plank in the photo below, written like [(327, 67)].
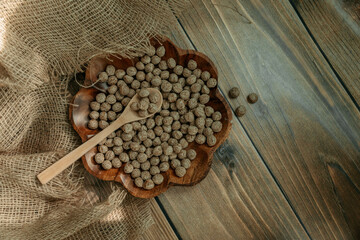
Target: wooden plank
[(335, 25), (161, 229), (237, 200), (304, 123)]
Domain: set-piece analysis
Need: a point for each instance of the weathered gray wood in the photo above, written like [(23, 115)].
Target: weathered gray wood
[(335, 25), (237, 200), (303, 125)]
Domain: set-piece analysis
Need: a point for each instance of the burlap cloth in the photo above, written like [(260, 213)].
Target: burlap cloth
[(42, 43)]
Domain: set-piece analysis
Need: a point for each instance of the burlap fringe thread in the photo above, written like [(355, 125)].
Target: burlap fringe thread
[(40, 41)]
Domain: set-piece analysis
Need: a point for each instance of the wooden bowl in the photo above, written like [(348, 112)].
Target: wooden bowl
[(199, 167)]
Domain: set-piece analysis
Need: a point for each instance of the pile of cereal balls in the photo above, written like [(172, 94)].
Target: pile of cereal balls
[(151, 146)]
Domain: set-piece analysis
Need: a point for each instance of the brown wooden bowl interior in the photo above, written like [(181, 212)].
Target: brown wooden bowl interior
[(200, 166)]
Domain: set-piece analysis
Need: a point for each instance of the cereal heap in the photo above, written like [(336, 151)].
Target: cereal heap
[(151, 146)]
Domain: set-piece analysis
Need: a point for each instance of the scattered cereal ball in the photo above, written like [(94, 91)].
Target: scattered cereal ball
[(166, 86), (149, 67), (252, 98), (139, 182), (103, 77), (164, 166), (204, 98), (144, 93), (131, 71), (128, 168), (140, 66), (124, 157), (128, 79), (180, 171), (106, 165), (200, 122), (178, 70), (164, 158), (145, 175), (110, 70), (109, 155), (187, 73), (145, 59), (186, 163), (143, 104), (164, 75), (182, 154), (192, 130), (189, 117), (191, 154), (216, 126), (148, 184), (209, 111), (234, 92), (216, 116), (116, 163), (94, 115), (154, 161), (141, 157), (240, 111), (171, 63), (196, 87), (180, 104), (175, 163), (158, 178), (112, 81), (95, 106), (119, 73), (197, 73), (135, 106), (99, 158), (140, 75), (163, 65), (145, 165), (102, 124), (151, 51), (177, 88), (160, 51), (211, 140), (117, 107), (208, 122), (200, 139), (211, 83), (100, 97), (154, 170), (102, 149), (109, 142), (191, 80), (205, 75), (208, 132), (135, 164), (112, 89), (155, 60), (156, 81), (192, 65), (117, 150), (205, 90), (105, 106), (111, 99), (136, 173), (183, 143)]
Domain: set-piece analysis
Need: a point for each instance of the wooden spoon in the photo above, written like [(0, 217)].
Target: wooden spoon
[(127, 116)]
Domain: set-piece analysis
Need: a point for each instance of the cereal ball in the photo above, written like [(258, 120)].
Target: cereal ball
[(126, 145), (156, 72), (118, 96), (135, 164), (156, 81), (110, 70), (158, 178), (116, 163), (140, 66), (205, 75), (154, 170), (186, 163), (184, 128), (154, 161), (143, 113), (176, 125), (95, 106), (136, 173), (112, 81), (155, 60), (143, 104), (180, 104), (167, 129), (180, 171), (109, 155), (195, 87), (211, 83), (148, 184), (128, 168), (204, 98), (117, 150), (140, 75), (187, 73), (211, 140), (145, 165), (139, 182), (157, 151), (141, 157), (111, 99), (112, 90), (148, 143), (151, 51), (252, 98), (158, 130), (200, 139), (171, 63), (199, 112), (164, 166), (191, 154), (135, 106), (197, 73), (102, 149), (240, 111), (182, 154), (127, 128), (106, 165), (178, 70), (163, 65), (105, 106), (160, 51), (200, 122), (205, 90), (185, 95), (192, 64), (135, 84), (175, 163), (119, 73), (192, 130), (144, 93), (164, 75), (142, 135), (164, 113), (131, 71), (102, 124), (234, 92), (149, 77), (145, 59), (172, 141), (177, 88), (195, 95), (168, 150), (177, 148), (124, 157), (94, 115), (111, 135), (149, 67), (191, 80), (135, 146), (150, 134), (208, 122), (156, 141), (128, 79), (99, 158), (216, 116), (173, 106), (168, 121), (117, 141), (216, 126), (164, 158), (207, 132), (109, 142), (183, 143), (145, 175), (192, 103), (100, 97), (165, 136), (103, 77), (117, 107), (125, 101), (166, 86), (209, 111)]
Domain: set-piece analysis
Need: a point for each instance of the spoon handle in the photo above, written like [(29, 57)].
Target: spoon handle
[(59, 166)]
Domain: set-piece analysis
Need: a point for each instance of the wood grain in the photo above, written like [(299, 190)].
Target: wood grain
[(239, 199), (161, 229), (80, 110), (335, 25), (303, 117)]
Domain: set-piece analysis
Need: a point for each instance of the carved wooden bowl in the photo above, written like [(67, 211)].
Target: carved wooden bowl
[(200, 166)]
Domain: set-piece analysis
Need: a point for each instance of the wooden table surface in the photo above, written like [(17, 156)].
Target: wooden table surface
[(291, 166)]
